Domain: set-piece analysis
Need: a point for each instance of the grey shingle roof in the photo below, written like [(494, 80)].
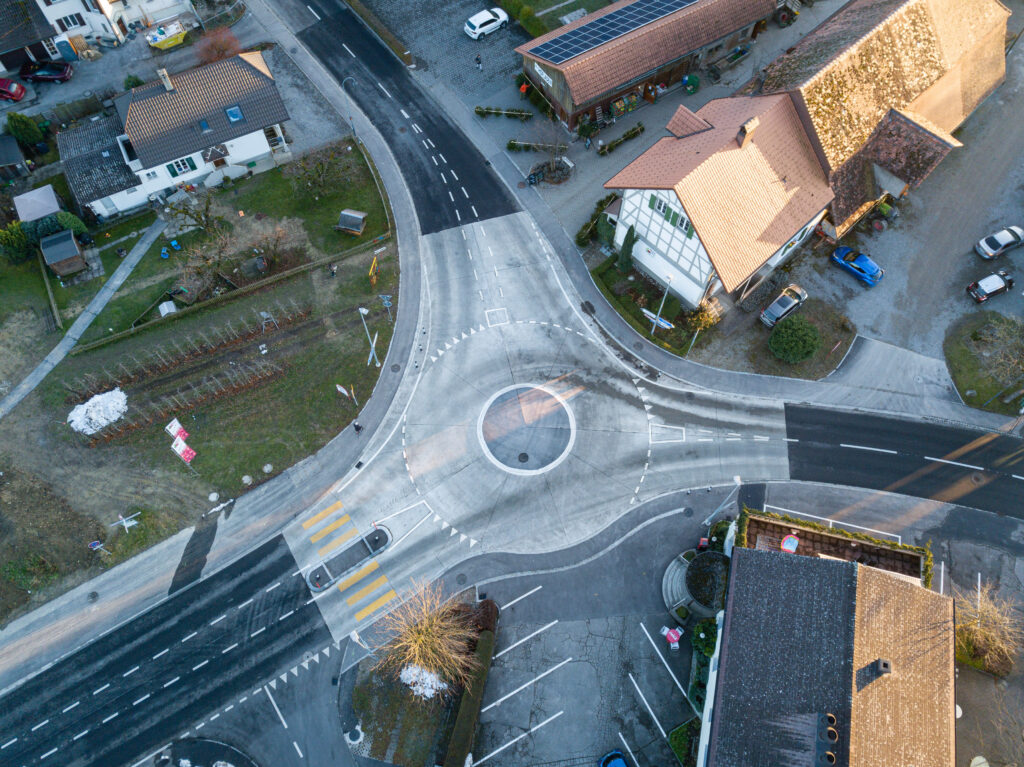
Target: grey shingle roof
[(21, 24), (10, 152), (165, 125), (92, 160), (58, 247)]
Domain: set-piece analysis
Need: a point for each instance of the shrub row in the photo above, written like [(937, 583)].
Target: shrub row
[(632, 133), (681, 741), (927, 568), (526, 17), (520, 114), (586, 232), (529, 146), (705, 644), (461, 742)]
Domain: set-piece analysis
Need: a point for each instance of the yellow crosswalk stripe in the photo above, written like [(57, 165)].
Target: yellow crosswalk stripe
[(367, 590), (342, 520), (322, 515), (357, 575), (375, 605), (332, 545)]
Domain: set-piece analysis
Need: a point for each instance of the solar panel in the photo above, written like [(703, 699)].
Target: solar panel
[(599, 31)]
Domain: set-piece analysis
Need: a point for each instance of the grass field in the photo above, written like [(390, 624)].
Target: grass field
[(22, 287), (967, 368)]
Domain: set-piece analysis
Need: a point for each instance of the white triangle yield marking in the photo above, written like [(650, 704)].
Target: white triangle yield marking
[(462, 537), (305, 665), (452, 532), (635, 380), (642, 390), (436, 518), (480, 328), (472, 543), (447, 345), (647, 407), (440, 352), (433, 358), (283, 677), (444, 525), (295, 670), (472, 331), (337, 645), (273, 684), (464, 334), (327, 652), (317, 658)]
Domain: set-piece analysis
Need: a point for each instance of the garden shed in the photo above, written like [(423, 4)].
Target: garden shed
[(12, 161), (37, 203), (351, 221), (61, 253)]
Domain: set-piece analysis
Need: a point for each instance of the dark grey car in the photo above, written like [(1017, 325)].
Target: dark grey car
[(789, 301)]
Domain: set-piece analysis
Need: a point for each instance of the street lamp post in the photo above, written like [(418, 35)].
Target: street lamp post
[(721, 506), (373, 349), (351, 124), (661, 306)]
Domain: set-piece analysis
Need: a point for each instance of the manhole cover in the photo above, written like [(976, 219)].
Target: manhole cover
[(93, 596), (395, 368), (976, 478), (526, 429), (460, 579), (687, 512)]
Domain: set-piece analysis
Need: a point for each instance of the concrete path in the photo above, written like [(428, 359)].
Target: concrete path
[(99, 301)]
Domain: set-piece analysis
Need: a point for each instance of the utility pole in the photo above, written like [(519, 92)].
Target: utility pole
[(661, 306)]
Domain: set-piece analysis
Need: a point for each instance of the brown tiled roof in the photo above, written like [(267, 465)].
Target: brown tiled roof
[(643, 50), (685, 123), (745, 203), (164, 125), (905, 717)]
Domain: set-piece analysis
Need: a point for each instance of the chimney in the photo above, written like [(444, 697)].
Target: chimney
[(746, 131), (165, 79), (882, 666)]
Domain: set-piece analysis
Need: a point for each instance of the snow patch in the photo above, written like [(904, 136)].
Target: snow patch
[(426, 684), (101, 410)]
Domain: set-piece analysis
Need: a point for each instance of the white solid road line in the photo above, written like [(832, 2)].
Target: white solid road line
[(101, 689), (525, 638), (229, 649), (384, 89), (200, 665), (314, 13), (218, 620), (112, 716), (194, 633), (162, 652), (872, 449), (955, 463), (274, 704), (144, 697), (662, 658), (271, 588), (648, 705), (297, 749), (257, 631), (51, 752), (524, 596), (404, 114), (1017, 476), (635, 762), (64, 711), (519, 738), (168, 684), (246, 603), (41, 724), (130, 671), (348, 50), (287, 614), (11, 742), (522, 687), (82, 734)]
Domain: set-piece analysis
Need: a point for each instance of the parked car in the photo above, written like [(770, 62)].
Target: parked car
[(613, 759), (788, 301), (1000, 242), (993, 285), (46, 71), (10, 90), (485, 22), (859, 265)]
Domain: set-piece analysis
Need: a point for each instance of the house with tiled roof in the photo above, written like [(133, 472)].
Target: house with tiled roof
[(632, 49), (872, 97), (829, 662), (24, 33), (221, 120)]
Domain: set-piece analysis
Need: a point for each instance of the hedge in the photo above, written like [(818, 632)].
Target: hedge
[(519, 114), (633, 132), (586, 231), (461, 742), (927, 568), (709, 628)]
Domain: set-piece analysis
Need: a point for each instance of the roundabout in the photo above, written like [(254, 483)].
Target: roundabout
[(526, 429)]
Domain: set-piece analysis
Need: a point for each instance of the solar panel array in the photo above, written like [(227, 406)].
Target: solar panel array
[(609, 27)]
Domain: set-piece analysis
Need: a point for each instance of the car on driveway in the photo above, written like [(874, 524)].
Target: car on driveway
[(10, 90), (485, 22), (46, 71), (788, 301), (993, 285), (859, 265), (1000, 242), (613, 759)]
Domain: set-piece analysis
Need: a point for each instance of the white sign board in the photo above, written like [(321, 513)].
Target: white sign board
[(543, 75)]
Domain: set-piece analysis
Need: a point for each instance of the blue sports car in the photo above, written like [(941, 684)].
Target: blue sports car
[(859, 265)]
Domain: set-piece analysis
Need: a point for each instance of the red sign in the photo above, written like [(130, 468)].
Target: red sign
[(184, 451)]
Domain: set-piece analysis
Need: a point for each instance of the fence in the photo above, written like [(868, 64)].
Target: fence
[(845, 525)]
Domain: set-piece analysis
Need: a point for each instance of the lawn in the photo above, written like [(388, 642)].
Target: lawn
[(22, 288), (837, 334), (963, 350), (59, 184)]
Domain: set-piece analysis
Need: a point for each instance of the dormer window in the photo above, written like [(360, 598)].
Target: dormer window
[(204, 126), (234, 114)]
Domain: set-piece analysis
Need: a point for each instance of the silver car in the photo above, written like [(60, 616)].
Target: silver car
[(789, 301), (1000, 242)]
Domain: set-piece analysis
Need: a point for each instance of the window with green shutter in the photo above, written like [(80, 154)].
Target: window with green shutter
[(171, 169), (675, 218), (653, 202), (689, 230), (184, 165)]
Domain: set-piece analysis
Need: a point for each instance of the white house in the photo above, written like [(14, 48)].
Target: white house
[(197, 127), (725, 200)]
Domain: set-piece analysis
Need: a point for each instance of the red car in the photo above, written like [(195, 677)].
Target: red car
[(10, 90), (46, 71)]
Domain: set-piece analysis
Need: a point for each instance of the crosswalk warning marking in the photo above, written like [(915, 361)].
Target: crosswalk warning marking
[(365, 591), (322, 515), (342, 520), (357, 575), (331, 545), (375, 605)]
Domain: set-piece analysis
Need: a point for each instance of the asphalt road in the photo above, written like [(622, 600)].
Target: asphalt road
[(450, 181), (143, 684), (926, 460)]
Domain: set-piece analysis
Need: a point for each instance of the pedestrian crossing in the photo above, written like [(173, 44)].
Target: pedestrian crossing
[(365, 590)]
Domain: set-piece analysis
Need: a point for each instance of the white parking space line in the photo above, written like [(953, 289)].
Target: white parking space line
[(522, 687), (384, 89), (314, 13), (1017, 476), (257, 632), (632, 755), (348, 50), (286, 615), (648, 705), (524, 596), (451, 197), (524, 639), (443, 177), (472, 208), (274, 704), (434, 147), (518, 738), (955, 463), (434, 159), (662, 658), (872, 449)]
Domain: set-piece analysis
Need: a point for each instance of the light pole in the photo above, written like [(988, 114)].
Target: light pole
[(721, 506), (373, 349), (661, 306), (351, 124)]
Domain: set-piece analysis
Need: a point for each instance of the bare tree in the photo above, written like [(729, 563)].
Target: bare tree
[(431, 632), (1002, 339), (988, 628), (549, 133), (197, 211), (217, 44), (323, 169), (999, 727)]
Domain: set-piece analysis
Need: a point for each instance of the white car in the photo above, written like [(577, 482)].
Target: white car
[(486, 22), (1000, 242)]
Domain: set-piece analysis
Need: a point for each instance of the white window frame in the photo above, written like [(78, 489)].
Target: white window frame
[(151, 174), (51, 49), (182, 166), (661, 206), (71, 22)]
